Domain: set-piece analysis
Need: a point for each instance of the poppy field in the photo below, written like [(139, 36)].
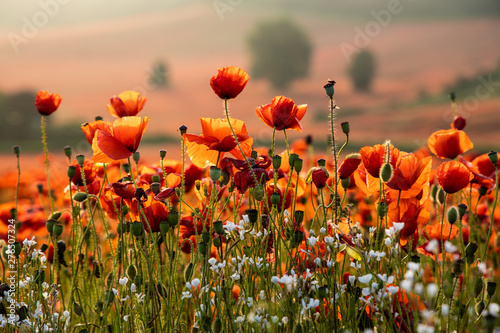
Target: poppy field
[(230, 237)]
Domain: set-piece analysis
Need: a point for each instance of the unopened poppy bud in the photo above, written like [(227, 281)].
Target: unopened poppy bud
[(214, 173), (55, 216), (478, 286), (39, 188), (57, 229), (291, 160), (173, 218), (458, 267), (299, 217), (80, 197), (276, 162), (329, 88), (452, 215), (448, 291), (188, 272), (440, 196), (462, 209), (205, 236), (434, 190), (479, 307), (17, 150), (156, 179), (138, 280), (17, 249), (491, 288), (493, 156), (217, 326), (275, 198), (452, 95), (297, 165), (258, 193), (155, 188), (225, 178), (386, 172), (68, 151), (131, 272), (482, 191), (164, 226), (71, 171), (197, 184), (298, 327), (471, 249), (97, 118), (202, 247), (254, 154), (253, 215), (346, 128), (126, 167), (322, 291), (183, 129), (346, 182), (80, 159), (163, 153), (219, 227), (459, 123), (298, 237), (44, 247), (137, 229), (125, 210), (77, 309), (136, 156), (217, 243)]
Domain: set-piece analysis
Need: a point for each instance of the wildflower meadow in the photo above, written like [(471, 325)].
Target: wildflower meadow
[(230, 237)]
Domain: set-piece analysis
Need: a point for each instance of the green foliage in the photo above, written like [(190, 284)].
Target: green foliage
[(362, 70), (280, 52)]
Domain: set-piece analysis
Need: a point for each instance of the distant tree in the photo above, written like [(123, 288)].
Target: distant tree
[(158, 76), (20, 120), (362, 70), (280, 52)]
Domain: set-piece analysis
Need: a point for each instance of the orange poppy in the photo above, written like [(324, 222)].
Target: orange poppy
[(349, 165), (411, 213), (47, 103), (217, 138), (282, 114), (374, 157), (449, 143), (127, 104), (89, 170), (410, 173), (453, 176), (117, 140), (229, 82)]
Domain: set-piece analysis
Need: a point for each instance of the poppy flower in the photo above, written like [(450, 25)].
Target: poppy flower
[(47, 103), (127, 104), (318, 176), (410, 173), (374, 157), (155, 213), (117, 140), (349, 165), (282, 114), (453, 176), (449, 143), (89, 171), (481, 164), (217, 138), (411, 213), (229, 82)]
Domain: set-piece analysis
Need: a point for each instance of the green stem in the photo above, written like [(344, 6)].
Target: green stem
[(45, 150), (492, 213)]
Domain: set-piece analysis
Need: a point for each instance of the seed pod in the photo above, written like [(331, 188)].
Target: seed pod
[(253, 215), (462, 209), (50, 226), (258, 192), (330, 90), (163, 153), (183, 129), (275, 198), (346, 128), (155, 188), (346, 182), (322, 291), (137, 229), (16, 150), (291, 160), (493, 156), (217, 243), (452, 215), (215, 173), (299, 217), (482, 191), (254, 154), (219, 228), (173, 218), (202, 247), (80, 159), (205, 237), (297, 165)]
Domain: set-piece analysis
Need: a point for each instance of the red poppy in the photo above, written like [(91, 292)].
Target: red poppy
[(318, 176), (229, 82), (411, 174), (217, 138), (479, 177), (458, 122), (155, 213), (374, 157), (89, 171), (127, 104), (453, 176), (47, 103), (449, 143), (349, 165), (411, 213), (117, 140), (282, 114)]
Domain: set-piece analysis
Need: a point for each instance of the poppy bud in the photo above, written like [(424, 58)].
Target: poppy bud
[(156, 179), (197, 184), (298, 237), (386, 172), (80, 159), (322, 291), (298, 327), (434, 190), (164, 226), (458, 267), (490, 288), (275, 198), (183, 129), (459, 123), (57, 229), (202, 247), (137, 229), (346, 128), (163, 153), (50, 225), (188, 272), (346, 182), (452, 95), (448, 291), (138, 280), (97, 118), (440, 196), (482, 191), (217, 243), (217, 326), (173, 218), (55, 216), (80, 197), (71, 171), (479, 307), (109, 296), (258, 193), (462, 209), (77, 309), (136, 156), (471, 249), (478, 286), (17, 248), (493, 156), (39, 188), (214, 173), (17, 150), (131, 272), (253, 215), (276, 162), (125, 210), (297, 165), (299, 216), (126, 167), (155, 188), (254, 154), (68, 151), (329, 88), (291, 160), (205, 237), (321, 162), (219, 228), (452, 215)]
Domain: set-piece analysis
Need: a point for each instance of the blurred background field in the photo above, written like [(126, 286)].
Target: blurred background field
[(88, 51)]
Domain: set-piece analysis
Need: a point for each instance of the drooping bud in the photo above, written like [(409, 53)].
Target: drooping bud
[(452, 95), (55, 216), (126, 167), (57, 229), (478, 286), (482, 191), (50, 225), (479, 307), (329, 88), (471, 249), (346, 128), (491, 288), (433, 194), (346, 182), (131, 272), (452, 215)]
